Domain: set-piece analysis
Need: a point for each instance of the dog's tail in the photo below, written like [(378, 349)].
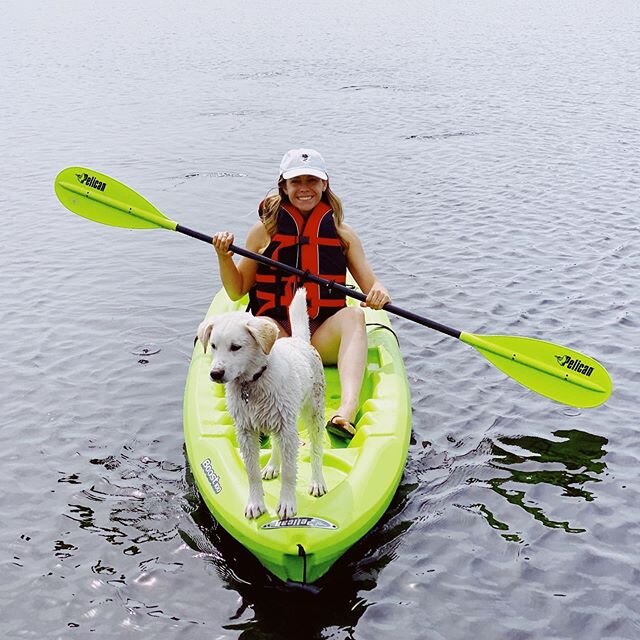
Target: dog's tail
[(298, 316)]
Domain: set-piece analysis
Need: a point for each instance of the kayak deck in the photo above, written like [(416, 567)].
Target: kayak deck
[(361, 475)]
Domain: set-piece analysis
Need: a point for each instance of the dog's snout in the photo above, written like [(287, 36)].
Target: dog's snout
[(217, 375)]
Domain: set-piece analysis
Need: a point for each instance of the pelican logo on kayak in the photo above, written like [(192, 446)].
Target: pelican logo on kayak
[(212, 476), (297, 523), (91, 181), (574, 365)]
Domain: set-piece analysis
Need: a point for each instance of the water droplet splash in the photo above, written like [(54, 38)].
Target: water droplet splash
[(146, 349)]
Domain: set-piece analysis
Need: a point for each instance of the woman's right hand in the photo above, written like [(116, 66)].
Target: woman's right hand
[(221, 242)]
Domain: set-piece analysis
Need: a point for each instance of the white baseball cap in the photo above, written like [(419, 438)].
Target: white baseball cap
[(303, 162)]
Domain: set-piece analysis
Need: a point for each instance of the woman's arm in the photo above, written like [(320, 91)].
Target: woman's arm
[(358, 265), (238, 279)]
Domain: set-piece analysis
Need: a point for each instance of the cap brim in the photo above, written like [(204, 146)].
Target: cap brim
[(294, 173)]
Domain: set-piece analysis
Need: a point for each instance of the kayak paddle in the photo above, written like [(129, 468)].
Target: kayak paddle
[(551, 370)]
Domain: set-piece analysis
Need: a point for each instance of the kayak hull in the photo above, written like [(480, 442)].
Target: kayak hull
[(361, 476)]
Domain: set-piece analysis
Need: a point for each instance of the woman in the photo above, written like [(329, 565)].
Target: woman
[(302, 225)]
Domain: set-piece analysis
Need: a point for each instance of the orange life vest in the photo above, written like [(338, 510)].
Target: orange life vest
[(310, 244)]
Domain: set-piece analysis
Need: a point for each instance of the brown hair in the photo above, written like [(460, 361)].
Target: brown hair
[(270, 206)]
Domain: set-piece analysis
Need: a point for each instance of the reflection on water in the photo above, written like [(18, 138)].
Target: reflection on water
[(130, 504), (133, 504), (570, 463), (527, 466)]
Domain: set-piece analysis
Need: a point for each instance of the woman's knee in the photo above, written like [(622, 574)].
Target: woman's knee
[(354, 317), (353, 314), (348, 322)]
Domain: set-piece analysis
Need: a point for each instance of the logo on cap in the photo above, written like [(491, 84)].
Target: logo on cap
[(305, 156)]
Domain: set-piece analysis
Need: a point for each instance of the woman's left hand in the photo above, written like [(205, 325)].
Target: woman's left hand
[(377, 297)]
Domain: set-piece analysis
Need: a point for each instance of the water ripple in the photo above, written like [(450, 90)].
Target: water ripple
[(494, 184)]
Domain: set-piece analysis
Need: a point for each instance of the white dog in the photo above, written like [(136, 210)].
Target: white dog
[(269, 383)]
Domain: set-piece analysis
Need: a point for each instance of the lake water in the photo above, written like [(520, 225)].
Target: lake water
[(488, 154)]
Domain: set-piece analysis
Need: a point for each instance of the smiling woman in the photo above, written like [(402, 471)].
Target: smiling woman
[(302, 225), (305, 192), (305, 177)]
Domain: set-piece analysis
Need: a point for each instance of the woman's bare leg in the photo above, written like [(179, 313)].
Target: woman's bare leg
[(342, 340)]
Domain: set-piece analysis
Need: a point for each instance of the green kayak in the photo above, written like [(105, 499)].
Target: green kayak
[(362, 476)]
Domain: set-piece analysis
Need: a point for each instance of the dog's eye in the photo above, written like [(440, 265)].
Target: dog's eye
[(235, 347), (213, 346)]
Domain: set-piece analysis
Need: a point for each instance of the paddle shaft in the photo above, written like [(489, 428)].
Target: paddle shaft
[(333, 286), (552, 370), (478, 342)]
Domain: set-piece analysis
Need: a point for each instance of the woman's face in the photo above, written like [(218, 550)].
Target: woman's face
[(304, 192)]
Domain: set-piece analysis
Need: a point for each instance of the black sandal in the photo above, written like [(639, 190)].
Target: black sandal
[(344, 431)]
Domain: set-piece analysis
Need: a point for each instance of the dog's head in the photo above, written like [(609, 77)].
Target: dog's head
[(239, 343)]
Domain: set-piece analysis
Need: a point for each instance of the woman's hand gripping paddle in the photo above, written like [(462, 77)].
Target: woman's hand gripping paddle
[(551, 370)]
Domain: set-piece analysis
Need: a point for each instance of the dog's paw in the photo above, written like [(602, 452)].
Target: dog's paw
[(254, 510), (270, 472), (286, 509), (317, 489)]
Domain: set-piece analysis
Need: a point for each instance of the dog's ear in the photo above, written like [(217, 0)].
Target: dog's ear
[(204, 332), (265, 332)]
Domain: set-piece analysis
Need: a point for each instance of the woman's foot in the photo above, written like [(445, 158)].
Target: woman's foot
[(341, 427)]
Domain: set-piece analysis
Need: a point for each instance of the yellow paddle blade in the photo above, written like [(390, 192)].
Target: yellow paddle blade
[(103, 199), (551, 370)]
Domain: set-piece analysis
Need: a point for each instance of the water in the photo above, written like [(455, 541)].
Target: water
[(487, 152)]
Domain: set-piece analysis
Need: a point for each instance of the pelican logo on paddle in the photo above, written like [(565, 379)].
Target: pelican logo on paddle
[(91, 181), (212, 476), (574, 364)]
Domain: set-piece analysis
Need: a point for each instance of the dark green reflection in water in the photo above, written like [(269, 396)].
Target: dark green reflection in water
[(579, 453)]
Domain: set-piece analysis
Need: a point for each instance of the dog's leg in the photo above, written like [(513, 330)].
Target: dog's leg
[(272, 470), (249, 441), (317, 487), (288, 440)]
